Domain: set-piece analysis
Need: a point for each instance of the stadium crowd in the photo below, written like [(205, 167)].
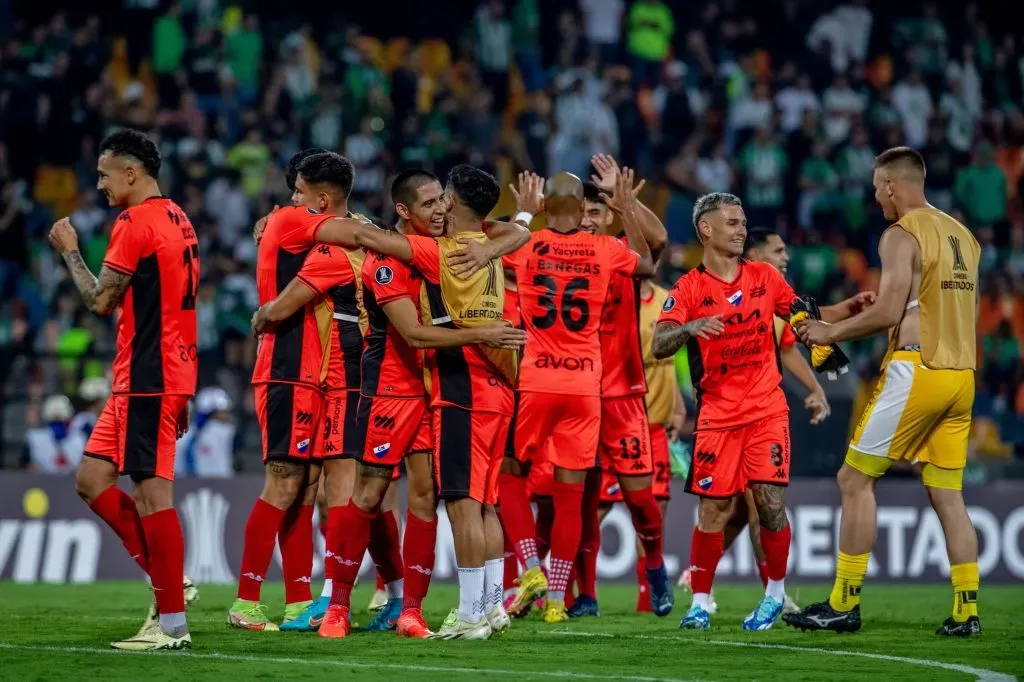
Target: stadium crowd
[(785, 105)]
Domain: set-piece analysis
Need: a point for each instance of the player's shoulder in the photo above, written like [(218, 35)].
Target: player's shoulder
[(383, 269), (761, 272)]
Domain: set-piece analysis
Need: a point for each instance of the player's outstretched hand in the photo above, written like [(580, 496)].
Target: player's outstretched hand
[(607, 172), (63, 236), (530, 194), (473, 256), (261, 224), (501, 335), (814, 332), (624, 197), (864, 299), (705, 327), (817, 403)]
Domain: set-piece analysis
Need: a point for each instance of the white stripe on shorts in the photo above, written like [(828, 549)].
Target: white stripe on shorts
[(876, 437), (346, 318)]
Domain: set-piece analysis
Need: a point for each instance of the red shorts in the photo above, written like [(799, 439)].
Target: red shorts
[(138, 434), (564, 425), (337, 422), (468, 449), (541, 480), (726, 461), (288, 415), (388, 429), (625, 436), (662, 465)]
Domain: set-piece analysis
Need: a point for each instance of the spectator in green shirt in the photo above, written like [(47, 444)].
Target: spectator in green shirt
[(244, 51), (763, 163), (169, 42), (250, 157), (818, 184), (980, 190), (526, 44), (649, 38)]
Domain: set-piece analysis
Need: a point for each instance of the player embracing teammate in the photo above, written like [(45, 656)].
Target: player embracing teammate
[(723, 312)]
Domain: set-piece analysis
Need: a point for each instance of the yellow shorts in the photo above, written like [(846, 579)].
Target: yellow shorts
[(918, 414)]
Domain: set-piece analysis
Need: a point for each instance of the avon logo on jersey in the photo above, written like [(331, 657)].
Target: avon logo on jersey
[(736, 298)]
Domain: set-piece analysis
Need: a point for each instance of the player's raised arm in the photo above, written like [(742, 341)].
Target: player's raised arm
[(623, 202), (385, 242), (342, 231), (503, 238), (651, 227), (101, 294), (898, 250), (403, 314)]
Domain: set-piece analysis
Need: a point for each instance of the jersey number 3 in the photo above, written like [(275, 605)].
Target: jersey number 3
[(188, 301), (574, 310)]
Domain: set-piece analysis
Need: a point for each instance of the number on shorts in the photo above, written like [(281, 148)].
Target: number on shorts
[(574, 310), (630, 447)]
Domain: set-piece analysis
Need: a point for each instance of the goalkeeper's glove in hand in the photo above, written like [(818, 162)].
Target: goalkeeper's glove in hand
[(830, 360)]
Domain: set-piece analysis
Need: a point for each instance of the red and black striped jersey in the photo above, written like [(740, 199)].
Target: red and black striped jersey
[(332, 272), (155, 244), (390, 367), (293, 351)]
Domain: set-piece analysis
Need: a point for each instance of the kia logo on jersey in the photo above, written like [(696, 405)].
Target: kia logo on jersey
[(383, 275), (736, 298), (669, 304)]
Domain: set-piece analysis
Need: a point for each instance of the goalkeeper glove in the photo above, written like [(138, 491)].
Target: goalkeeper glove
[(830, 360)]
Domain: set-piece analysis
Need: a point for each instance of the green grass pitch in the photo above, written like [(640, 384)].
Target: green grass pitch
[(57, 632)]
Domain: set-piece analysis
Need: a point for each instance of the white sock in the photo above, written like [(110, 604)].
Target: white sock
[(395, 589), (776, 589), (471, 593), (328, 588), (494, 579), (173, 623), (701, 600)]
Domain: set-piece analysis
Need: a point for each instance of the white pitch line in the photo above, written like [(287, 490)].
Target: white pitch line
[(215, 656), (980, 674)]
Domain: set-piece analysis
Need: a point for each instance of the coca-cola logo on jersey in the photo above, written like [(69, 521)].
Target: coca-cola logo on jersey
[(743, 350)]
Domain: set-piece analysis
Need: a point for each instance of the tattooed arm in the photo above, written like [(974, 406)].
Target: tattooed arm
[(101, 295)]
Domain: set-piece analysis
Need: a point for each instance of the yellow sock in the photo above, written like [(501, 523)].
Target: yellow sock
[(850, 571), (965, 590)]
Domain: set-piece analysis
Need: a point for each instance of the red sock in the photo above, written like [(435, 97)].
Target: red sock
[(335, 517), (258, 548), (643, 588), (511, 566), (349, 536), (295, 536), (705, 552), (647, 521), (545, 518), (775, 544), (565, 535), (386, 548), (117, 509), (167, 553), (420, 541), (590, 543), (517, 518), (762, 569)]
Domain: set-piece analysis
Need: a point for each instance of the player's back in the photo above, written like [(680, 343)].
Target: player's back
[(947, 291), (155, 243), (293, 350), (562, 280), (621, 353)]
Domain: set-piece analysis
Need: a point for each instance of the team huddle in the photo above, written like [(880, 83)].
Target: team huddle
[(499, 367)]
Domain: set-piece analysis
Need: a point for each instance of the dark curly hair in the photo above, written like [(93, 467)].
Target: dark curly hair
[(328, 168), (133, 143), (292, 170), (592, 194), (477, 189)]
